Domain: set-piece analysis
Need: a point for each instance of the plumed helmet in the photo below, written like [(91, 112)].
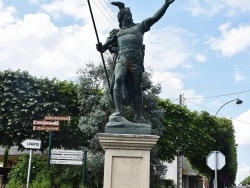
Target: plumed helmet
[(122, 11)]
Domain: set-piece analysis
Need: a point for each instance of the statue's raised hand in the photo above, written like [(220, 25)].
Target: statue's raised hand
[(169, 1)]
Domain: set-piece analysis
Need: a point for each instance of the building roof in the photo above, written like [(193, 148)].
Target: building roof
[(15, 151)]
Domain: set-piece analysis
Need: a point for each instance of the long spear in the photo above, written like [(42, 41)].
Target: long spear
[(103, 62)]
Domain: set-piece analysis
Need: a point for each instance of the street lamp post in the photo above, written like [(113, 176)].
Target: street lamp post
[(238, 101)]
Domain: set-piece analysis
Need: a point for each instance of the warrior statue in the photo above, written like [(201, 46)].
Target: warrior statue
[(126, 44)]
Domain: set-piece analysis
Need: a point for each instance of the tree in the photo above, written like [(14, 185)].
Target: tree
[(19, 173), (96, 106), (196, 135), (246, 181), (24, 98)]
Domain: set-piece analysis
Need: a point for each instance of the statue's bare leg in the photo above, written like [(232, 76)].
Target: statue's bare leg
[(120, 73)]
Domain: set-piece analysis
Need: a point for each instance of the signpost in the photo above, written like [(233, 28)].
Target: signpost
[(45, 128), (71, 157), (59, 118), (51, 123), (215, 160), (41, 125), (31, 144)]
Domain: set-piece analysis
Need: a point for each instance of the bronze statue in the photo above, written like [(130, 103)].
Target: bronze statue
[(126, 44)]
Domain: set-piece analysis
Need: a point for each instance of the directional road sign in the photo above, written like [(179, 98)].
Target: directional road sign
[(59, 118), (215, 160), (32, 144), (69, 152), (52, 123), (45, 128), (66, 162), (70, 157)]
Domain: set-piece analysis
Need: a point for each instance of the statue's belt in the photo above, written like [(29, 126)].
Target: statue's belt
[(131, 50)]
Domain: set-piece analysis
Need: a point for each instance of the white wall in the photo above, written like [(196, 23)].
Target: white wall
[(172, 171)]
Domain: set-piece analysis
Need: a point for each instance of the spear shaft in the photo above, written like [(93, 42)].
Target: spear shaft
[(96, 33)]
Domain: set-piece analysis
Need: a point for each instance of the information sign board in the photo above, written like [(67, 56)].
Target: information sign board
[(66, 162), (45, 128), (32, 144), (70, 157), (52, 123), (59, 118)]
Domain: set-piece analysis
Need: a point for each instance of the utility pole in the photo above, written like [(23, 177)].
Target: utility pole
[(179, 156)]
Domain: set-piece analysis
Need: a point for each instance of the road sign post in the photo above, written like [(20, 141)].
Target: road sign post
[(84, 157), (215, 160), (42, 122), (59, 118), (31, 144), (49, 124), (69, 157)]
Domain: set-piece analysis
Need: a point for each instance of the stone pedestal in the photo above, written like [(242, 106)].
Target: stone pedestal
[(127, 159)]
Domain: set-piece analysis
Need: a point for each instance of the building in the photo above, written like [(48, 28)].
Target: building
[(185, 176)]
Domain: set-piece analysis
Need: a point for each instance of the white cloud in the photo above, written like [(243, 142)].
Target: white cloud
[(204, 7), (170, 82), (168, 48), (242, 5), (232, 40), (212, 7), (35, 44), (79, 10), (242, 173), (242, 130), (173, 86), (6, 15), (238, 76), (68, 7), (201, 58), (168, 51)]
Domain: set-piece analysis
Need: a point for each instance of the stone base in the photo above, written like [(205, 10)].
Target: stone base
[(119, 125), (127, 159)]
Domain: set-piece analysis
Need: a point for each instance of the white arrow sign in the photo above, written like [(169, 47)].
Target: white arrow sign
[(32, 144)]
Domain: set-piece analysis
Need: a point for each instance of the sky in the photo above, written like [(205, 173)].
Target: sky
[(199, 49)]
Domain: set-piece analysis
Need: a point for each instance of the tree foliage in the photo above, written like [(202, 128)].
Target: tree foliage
[(246, 181), (195, 135), (24, 98), (19, 173)]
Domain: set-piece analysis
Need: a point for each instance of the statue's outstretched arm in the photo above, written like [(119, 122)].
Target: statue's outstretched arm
[(152, 20)]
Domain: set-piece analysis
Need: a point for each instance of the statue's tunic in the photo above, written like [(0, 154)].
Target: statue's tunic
[(130, 47)]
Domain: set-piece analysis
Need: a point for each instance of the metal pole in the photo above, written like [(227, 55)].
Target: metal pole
[(178, 171), (103, 62), (28, 177), (215, 171), (84, 167), (50, 145), (179, 158)]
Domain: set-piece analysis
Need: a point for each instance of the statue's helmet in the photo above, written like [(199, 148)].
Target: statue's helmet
[(122, 11)]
